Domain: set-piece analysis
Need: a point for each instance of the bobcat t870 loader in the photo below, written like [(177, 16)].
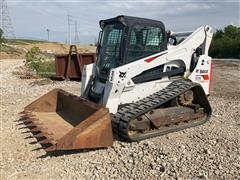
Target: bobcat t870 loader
[(146, 82)]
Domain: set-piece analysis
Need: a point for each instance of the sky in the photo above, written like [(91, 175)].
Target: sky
[(31, 18)]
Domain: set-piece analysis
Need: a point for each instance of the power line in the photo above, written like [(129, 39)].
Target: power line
[(48, 31), (6, 23), (76, 39), (69, 20)]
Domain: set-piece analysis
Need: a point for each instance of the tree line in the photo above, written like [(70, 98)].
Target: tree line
[(226, 43), (1, 36)]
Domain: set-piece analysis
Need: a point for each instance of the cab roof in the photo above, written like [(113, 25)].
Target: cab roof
[(130, 21)]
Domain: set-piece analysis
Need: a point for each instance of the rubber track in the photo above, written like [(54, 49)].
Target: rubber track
[(121, 120)]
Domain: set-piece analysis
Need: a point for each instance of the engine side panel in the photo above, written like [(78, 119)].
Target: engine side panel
[(202, 73)]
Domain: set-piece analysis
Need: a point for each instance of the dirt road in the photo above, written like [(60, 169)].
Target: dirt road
[(210, 151)]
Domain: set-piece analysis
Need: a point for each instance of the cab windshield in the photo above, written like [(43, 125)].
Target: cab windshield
[(109, 50), (144, 41)]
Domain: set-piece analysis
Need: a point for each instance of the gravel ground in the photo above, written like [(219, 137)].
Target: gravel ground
[(210, 151)]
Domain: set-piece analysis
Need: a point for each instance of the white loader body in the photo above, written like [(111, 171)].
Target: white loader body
[(120, 89)]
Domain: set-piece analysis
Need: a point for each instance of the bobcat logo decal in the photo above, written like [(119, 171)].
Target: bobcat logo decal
[(122, 74)]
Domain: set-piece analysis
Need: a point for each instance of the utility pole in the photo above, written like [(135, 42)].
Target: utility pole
[(6, 23), (76, 39), (69, 19), (48, 31), (95, 41)]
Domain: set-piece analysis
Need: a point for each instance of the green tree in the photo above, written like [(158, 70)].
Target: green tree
[(226, 43), (232, 31), (218, 34), (1, 36)]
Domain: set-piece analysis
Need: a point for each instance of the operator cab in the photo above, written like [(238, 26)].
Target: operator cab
[(125, 39)]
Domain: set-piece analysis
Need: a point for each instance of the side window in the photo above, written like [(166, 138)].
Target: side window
[(114, 37), (133, 39), (144, 41), (154, 37)]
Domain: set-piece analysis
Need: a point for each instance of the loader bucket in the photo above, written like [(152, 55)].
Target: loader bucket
[(63, 121)]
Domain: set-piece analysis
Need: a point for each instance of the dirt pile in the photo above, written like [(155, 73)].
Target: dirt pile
[(18, 49)]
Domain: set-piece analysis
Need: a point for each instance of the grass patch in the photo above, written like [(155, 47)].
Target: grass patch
[(9, 49), (24, 41), (4, 48)]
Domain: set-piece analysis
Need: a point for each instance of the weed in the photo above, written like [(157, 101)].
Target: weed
[(38, 62)]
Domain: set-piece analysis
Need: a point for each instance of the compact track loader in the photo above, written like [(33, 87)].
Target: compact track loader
[(146, 82)]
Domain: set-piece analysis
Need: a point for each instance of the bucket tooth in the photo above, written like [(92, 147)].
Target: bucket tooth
[(47, 141), (33, 124), (27, 120), (27, 115), (36, 129), (39, 135), (44, 141), (51, 148), (33, 119), (43, 133), (23, 112), (24, 118)]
